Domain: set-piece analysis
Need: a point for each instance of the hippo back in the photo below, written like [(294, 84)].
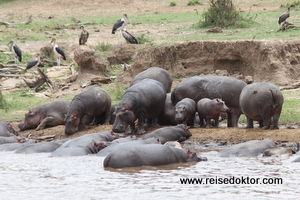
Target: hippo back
[(156, 73)]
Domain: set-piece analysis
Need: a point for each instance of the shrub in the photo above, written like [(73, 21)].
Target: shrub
[(142, 39), (194, 2), (221, 13), (173, 3)]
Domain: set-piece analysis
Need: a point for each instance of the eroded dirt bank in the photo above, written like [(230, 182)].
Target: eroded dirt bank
[(271, 61)]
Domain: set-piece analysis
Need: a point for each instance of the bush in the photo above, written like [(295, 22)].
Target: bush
[(142, 39), (221, 13), (3, 103), (173, 3), (194, 2)]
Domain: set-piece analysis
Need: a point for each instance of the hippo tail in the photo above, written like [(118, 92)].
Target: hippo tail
[(173, 97), (275, 97)]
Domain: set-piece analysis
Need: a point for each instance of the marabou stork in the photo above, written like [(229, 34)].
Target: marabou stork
[(34, 62), (57, 51), (118, 26), (84, 35), (129, 36), (16, 51), (284, 16)]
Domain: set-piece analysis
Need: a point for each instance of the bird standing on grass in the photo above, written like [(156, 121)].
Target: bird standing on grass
[(57, 51), (34, 62), (129, 36), (16, 51), (84, 35), (118, 26), (284, 16)]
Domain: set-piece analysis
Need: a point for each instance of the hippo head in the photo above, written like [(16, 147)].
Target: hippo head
[(180, 113), (32, 120), (192, 157), (11, 129), (124, 117), (220, 106), (185, 130), (72, 121)]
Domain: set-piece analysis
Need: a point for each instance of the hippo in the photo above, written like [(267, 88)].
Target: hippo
[(148, 155), (156, 73), (114, 146), (174, 144), (87, 144), (39, 147), (167, 116), (49, 114), (185, 111), (11, 139), (210, 109), (143, 100), (207, 86), (6, 130), (91, 104), (248, 149), (262, 102), (15, 146), (278, 151), (178, 133)]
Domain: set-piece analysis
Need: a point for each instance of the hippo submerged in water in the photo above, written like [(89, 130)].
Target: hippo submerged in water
[(148, 155), (6, 130)]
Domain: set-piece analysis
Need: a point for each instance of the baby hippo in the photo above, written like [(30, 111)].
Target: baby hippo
[(185, 111), (210, 109)]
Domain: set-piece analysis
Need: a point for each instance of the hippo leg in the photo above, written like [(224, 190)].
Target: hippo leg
[(107, 117), (201, 122), (261, 123), (141, 122), (275, 121), (249, 123), (131, 129), (83, 122), (216, 121), (266, 121), (43, 124), (233, 118)]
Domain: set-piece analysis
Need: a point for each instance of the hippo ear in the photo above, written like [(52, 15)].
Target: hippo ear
[(189, 154)]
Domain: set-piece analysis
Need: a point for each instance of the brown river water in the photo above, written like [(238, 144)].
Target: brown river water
[(37, 176)]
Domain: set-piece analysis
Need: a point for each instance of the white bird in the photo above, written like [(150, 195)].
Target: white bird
[(118, 26), (16, 51), (57, 51), (129, 36), (34, 62), (84, 35)]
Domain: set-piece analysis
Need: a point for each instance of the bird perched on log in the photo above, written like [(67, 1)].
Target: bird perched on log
[(284, 16), (34, 62), (129, 36), (57, 51), (118, 26), (16, 51), (84, 35)]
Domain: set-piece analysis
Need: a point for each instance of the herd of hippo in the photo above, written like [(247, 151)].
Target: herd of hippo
[(198, 101)]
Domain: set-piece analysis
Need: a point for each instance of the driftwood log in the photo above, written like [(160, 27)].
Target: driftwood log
[(287, 25), (28, 21), (40, 81)]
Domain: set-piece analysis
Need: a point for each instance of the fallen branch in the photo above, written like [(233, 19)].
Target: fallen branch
[(293, 86), (287, 25), (28, 21)]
